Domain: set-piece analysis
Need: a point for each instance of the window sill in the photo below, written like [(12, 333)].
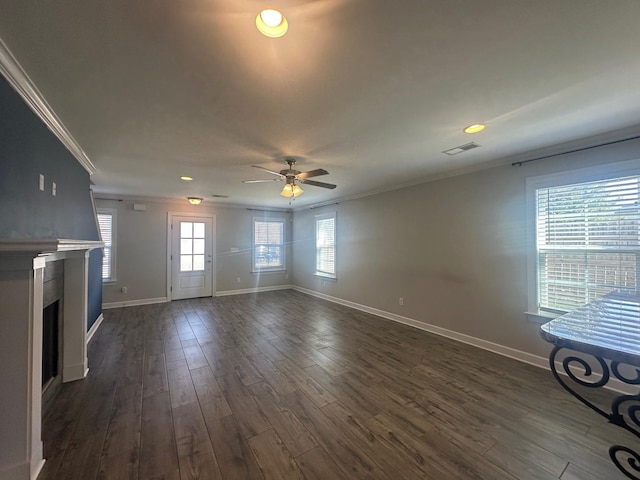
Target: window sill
[(269, 270), (541, 317), (110, 282), (325, 276)]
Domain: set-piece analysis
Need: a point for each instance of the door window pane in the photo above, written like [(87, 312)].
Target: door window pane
[(186, 263), (186, 230), (186, 245), (198, 230), (198, 246), (198, 262)]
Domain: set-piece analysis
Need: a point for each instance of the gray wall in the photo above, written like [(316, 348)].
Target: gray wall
[(141, 255), (454, 249), (27, 149)]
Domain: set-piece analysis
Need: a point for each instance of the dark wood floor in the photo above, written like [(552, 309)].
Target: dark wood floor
[(283, 385)]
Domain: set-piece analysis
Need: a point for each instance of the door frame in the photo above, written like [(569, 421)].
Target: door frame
[(210, 216)]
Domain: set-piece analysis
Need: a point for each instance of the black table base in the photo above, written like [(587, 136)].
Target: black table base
[(625, 409)]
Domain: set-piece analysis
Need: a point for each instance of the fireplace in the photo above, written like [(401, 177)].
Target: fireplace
[(23, 296), (52, 333), (51, 349), (50, 345)]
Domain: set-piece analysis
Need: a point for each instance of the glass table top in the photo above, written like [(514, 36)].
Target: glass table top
[(609, 327)]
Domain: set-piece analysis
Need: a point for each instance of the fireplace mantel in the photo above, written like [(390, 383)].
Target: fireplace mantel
[(14, 246), (22, 264)]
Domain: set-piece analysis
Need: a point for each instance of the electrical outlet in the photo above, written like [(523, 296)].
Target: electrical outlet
[(124, 290), (54, 189), (401, 301), (238, 279)]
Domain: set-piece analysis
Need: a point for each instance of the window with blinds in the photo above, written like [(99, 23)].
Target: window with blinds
[(326, 245), (268, 244), (588, 241), (106, 223)]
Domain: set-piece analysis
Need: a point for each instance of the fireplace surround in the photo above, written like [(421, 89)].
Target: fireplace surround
[(22, 264)]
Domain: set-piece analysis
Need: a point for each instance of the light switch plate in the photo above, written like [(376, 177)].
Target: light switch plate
[(41, 182)]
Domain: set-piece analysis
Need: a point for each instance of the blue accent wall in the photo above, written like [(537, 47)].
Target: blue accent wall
[(27, 149)]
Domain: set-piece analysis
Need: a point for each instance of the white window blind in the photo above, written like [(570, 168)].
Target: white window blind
[(106, 225), (588, 241), (326, 245), (268, 244)]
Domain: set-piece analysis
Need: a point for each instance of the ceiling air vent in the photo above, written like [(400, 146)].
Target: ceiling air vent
[(461, 148), (215, 195)]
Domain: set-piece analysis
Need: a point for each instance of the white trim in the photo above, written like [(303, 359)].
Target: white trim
[(519, 355), (180, 200), (10, 245), (134, 303), (94, 328), (242, 291), (24, 470), (22, 84)]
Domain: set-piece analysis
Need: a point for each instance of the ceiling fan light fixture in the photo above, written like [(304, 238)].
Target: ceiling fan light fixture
[(475, 128), (287, 191), (194, 200), (291, 190), (272, 23)]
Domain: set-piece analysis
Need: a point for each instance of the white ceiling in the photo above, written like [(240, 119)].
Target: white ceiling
[(371, 90)]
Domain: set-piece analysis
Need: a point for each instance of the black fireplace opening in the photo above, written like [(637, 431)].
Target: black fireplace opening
[(50, 342)]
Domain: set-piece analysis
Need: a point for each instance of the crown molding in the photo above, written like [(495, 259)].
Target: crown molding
[(181, 201), (22, 84)]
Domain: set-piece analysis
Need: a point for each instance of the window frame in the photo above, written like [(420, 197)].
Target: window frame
[(254, 246), (113, 247), (582, 175), (317, 218)]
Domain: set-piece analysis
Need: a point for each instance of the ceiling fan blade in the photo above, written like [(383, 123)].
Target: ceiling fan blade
[(267, 170), (318, 184), (262, 181), (313, 173)]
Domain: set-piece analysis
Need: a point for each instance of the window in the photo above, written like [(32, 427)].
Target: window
[(268, 244), (326, 245), (107, 225), (192, 239), (587, 241)]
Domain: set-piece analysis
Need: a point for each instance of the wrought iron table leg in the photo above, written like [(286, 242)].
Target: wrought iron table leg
[(626, 459)]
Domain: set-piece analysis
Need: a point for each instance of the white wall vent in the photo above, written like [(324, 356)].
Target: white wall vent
[(461, 148)]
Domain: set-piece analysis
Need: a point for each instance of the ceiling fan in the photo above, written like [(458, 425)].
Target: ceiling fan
[(291, 176)]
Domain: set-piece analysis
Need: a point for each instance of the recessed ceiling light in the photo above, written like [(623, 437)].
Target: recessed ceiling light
[(475, 128), (271, 23), (186, 178)]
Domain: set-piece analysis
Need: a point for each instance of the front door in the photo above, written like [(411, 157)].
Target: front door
[(191, 260)]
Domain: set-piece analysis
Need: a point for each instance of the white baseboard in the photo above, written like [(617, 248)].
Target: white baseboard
[(94, 328), (25, 470), (242, 291), (524, 357), (133, 303), (71, 373)]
